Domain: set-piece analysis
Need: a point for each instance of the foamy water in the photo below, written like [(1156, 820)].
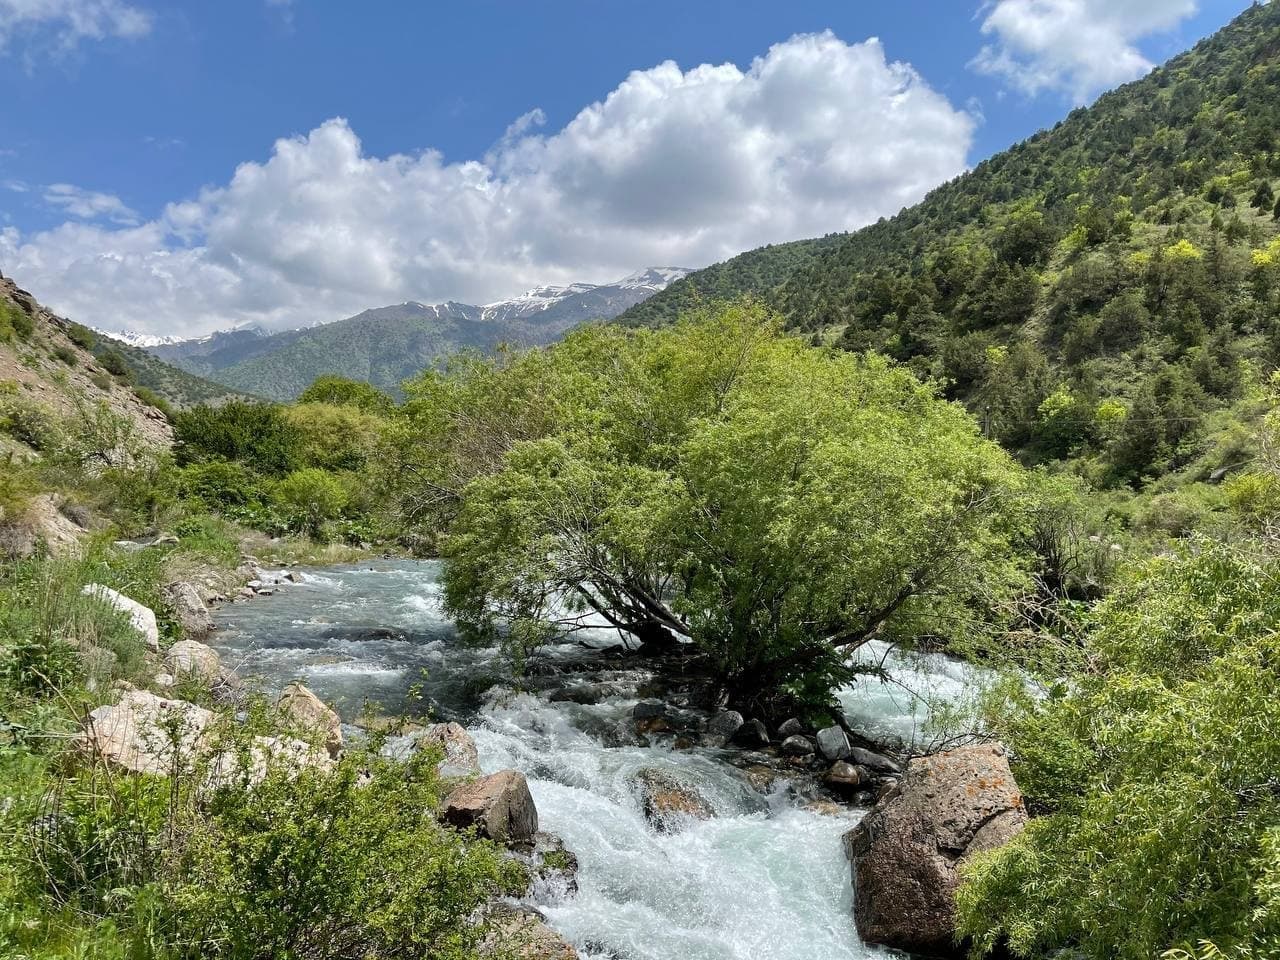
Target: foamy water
[(763, 879)]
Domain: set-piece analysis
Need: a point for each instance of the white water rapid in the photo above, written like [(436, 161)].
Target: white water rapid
[(766, 878)]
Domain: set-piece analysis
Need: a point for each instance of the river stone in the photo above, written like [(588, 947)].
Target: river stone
[(189, 658), (144, 733), (906, 853), (846, 777), (873, 761), (790, 728), (797, 745), (649, 710), (521, 933), (142, 619), (498, 806), (833, 744), (722, 727), (668, 802), (461, 759), (311, 713), (189, 609), (553, 867), (752, 733)]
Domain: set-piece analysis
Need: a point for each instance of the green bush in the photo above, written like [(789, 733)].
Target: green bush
[(220, 484), (1153, 762), (255, 434), (310, 497), (14, 321), (81, 336), (115, 364), (66, 355)]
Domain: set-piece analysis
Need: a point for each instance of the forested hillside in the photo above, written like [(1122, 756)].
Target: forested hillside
[(1096, 291)]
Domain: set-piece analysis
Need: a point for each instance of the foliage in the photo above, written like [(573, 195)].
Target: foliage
[(66, 355), (1153, 763), (773, 504), (334, 437), (343, 392), (256, 434), (309, 497), (81, 336), (14, 321)]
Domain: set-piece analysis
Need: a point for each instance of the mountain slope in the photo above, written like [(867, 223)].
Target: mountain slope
[(1096, 292), (385, 345)]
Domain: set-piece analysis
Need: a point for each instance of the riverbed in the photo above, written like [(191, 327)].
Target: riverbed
[(765, 878)]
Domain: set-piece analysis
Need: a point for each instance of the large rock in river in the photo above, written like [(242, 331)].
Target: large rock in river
[(907, 851), (499, 806), (670, 803)]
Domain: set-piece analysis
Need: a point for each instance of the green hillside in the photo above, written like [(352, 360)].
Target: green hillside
[(1097, 291), (178, 387)]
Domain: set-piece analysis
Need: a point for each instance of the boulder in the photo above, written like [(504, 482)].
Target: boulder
[(873, 761), (797, 745), (189, 658), (521, 933), (649, 709), (144, 733), (669, 803), (189, 609), (906, 853), (846, 778), (752, 733), (241, 767), (722, 727), (498, 806), (790, 728), (50, 523), (311, 713), (143, 619), (460, 756), (833, 744), (553, 867)]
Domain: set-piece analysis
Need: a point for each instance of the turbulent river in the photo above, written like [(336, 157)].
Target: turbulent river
[(765, 878)]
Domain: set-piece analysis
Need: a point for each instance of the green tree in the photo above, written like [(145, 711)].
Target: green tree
[(256, 434), (719, 483), (310, 497), (343, 392)]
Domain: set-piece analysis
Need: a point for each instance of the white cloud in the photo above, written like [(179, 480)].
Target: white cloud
[(88, 204), (65, 23), (672, 168), (1078, 47)]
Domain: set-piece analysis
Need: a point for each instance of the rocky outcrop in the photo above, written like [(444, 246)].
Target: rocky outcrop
[(460, 756), (143, 619), (189, 610), (190, 659), (313, 715), (144, 733), (499, 807), (906, 852), (669, 803), (521, 933)]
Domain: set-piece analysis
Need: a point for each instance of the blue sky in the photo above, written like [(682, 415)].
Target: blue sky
[(125, 122)]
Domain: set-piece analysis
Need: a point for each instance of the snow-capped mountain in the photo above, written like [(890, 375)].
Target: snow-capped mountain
[(135, 339), (384, 345)]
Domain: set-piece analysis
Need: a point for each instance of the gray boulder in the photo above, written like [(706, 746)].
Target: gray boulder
[(189, 610), (722, 727), (873, 761), (833, 744), (797, 745)]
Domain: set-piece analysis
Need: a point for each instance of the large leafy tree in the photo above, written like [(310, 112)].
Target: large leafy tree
[(717, 483)]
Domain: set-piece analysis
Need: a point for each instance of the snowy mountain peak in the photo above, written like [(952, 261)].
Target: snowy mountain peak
[(655, 278), (135, 339)]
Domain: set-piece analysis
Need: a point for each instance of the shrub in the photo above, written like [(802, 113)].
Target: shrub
[(309, 497), (81, 336), (112, 361), (66, 355), (14, 321), (1153, 761), (256, 434)]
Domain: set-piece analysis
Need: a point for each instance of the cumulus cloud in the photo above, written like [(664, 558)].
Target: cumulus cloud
[(1077, 47), (88, 204), (65, 23), (673, 167)]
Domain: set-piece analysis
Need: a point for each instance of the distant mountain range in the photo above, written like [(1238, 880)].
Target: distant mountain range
[(386, 345)]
